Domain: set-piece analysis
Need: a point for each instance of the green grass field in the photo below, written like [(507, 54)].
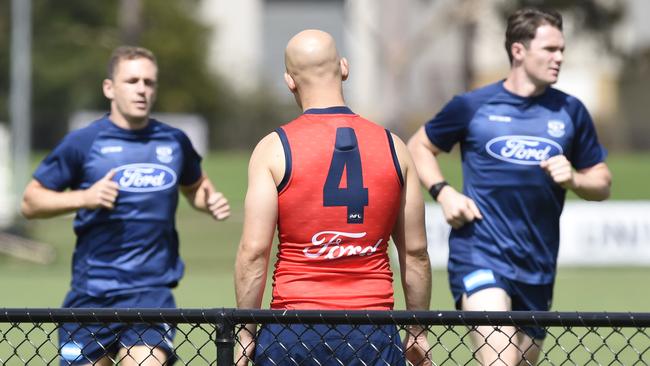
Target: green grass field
[(209, 248)]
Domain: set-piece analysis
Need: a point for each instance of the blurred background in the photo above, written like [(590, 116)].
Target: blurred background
[(221, 79)]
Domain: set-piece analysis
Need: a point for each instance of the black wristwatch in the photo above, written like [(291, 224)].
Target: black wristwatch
[(435, 189)]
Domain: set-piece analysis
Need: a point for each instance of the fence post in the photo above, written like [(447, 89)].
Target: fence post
[(225, 342)]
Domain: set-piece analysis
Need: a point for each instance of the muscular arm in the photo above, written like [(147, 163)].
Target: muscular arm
[(260, 218), (410, 239), (41, 202), (458, 209), (415, 268)]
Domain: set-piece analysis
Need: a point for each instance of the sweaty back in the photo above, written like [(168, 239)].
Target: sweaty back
[(338, 203)]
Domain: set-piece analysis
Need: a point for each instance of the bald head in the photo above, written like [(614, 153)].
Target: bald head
[(311, 55), (315, 72)]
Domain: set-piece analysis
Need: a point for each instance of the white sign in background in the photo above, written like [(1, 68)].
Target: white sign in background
[(609, 233)]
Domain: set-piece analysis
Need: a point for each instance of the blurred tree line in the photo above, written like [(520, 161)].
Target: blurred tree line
[(73, 39)]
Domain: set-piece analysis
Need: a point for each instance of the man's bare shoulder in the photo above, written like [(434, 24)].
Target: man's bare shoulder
[(269, 154), (269, 144)]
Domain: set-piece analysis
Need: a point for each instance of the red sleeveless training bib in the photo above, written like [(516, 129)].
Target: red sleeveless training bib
[(338, 204)]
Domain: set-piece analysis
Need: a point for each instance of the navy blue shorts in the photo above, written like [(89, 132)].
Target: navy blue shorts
[(85, 343), (468, 280), (321, 344)]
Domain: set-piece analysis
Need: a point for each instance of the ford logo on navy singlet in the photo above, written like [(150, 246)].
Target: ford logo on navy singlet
[(144, 177), (524, 150)]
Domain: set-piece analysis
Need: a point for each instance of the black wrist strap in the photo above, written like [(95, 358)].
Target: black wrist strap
[(435, 189)]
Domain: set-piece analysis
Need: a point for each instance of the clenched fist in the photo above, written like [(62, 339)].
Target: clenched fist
[(560, 170), (216, 203), (457, 208), (102, 194)]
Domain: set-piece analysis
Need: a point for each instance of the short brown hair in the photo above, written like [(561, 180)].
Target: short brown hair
[(523, 24), (128, 53)]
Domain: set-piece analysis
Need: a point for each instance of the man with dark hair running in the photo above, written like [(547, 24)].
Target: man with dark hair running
[(523, 145)]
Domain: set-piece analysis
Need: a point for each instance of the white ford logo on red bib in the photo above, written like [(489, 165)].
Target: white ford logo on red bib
[(144, 177), (524, 150), (336, 244)]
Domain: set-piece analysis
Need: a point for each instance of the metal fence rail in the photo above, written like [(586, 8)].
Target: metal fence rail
[(214, 336)]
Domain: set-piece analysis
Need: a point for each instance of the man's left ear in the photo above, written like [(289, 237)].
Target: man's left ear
[(291, 84), (345, 68), (518, 51), (107, 88)]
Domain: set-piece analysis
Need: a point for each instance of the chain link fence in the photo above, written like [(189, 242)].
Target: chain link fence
[(218, 336)]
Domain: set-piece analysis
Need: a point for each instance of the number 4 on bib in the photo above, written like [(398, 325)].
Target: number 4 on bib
[(346, 158)]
